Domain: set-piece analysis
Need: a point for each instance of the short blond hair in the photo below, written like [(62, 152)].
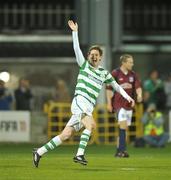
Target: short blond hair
[(124, 57)]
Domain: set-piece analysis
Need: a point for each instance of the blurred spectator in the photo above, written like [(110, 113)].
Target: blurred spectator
[(167, 87), (5, 97), (154, 91), (153, 121), (61, 93), (23, 95)]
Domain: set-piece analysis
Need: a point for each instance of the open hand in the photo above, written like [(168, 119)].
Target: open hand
[(72, 25)]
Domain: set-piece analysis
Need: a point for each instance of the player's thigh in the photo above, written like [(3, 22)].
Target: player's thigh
[(88, 122), (124, 118)]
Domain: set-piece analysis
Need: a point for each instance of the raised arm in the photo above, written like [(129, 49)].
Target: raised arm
[(78, 53)]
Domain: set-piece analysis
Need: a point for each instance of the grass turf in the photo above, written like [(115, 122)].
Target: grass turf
[(144, 164)]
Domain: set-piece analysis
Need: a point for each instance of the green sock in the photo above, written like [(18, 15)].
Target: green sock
[(53, 143), (83, 142)]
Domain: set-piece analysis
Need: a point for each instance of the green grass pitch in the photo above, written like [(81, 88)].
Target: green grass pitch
[(144, 164)]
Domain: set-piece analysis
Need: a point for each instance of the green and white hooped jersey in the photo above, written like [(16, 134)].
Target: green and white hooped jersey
[(90, 81)]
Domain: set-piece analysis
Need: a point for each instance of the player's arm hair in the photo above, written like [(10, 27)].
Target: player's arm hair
[(78, 53)]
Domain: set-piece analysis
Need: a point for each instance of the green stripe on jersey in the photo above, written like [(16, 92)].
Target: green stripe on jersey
[(83, 73), (85, 91), (109, 81), (84, 65), (89, 85), (93, 71)]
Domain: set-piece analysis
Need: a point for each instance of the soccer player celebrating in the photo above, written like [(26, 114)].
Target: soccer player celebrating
[(89, 83), (129, 81)]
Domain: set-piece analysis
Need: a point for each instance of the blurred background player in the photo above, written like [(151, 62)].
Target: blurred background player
[(61, 92), (154, 92), (129, 81), (89, 83)]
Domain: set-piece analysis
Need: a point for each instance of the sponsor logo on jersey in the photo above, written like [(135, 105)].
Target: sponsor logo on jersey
[(98, 81), (131, 79), (126, 85)]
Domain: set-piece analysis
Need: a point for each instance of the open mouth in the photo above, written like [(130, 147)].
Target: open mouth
[(94, 60)]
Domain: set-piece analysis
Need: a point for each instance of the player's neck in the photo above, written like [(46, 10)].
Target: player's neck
[(94, 67), (124, 70)]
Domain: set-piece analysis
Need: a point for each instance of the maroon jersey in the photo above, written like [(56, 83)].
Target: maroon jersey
[(129, 82)]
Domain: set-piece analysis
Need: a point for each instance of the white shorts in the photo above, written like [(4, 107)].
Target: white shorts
[(125, 115), (79, 107)]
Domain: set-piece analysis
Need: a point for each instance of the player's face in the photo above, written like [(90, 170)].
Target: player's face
[(129, 64), (94, 58)]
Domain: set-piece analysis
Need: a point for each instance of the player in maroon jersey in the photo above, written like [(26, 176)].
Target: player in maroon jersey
[(129, 81)]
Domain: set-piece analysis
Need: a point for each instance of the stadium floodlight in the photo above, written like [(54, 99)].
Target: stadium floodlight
[(4, 76)]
